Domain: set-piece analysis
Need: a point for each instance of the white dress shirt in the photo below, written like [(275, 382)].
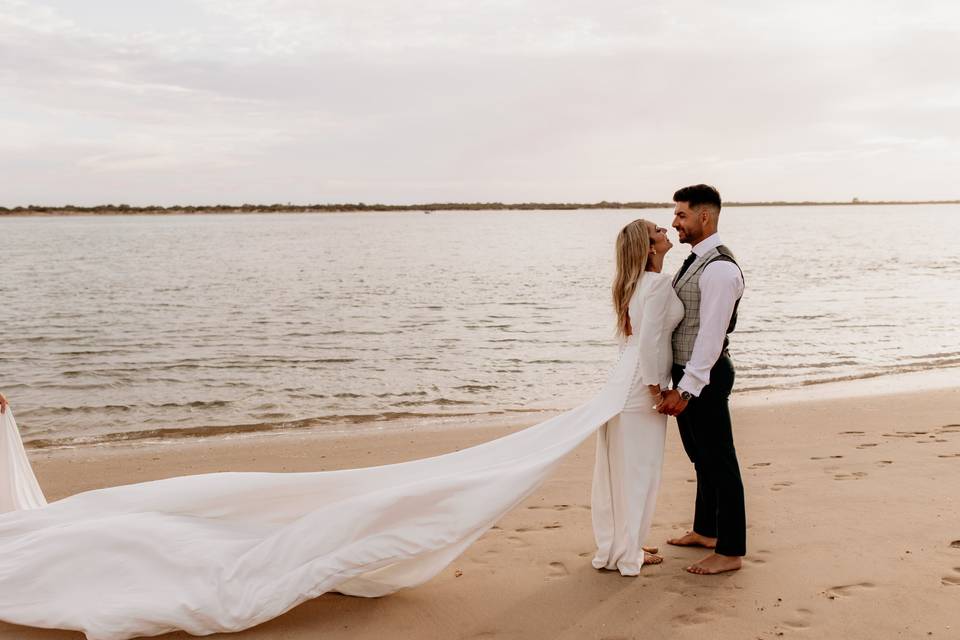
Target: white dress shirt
[(721, 285)]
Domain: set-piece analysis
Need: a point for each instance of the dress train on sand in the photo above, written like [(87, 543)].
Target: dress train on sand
[(226, 551)]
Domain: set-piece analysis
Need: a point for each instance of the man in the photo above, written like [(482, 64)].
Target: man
[(710, 285)]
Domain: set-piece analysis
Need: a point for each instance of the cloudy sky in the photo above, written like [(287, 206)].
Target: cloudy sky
[(232, 101)]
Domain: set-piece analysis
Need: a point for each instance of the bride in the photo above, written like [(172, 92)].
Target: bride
[(226, 551), (626, 475)]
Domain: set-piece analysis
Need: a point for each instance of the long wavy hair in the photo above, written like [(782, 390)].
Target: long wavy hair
[(633, 251)]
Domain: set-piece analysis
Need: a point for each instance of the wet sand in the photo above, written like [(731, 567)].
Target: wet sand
[(852, 508)]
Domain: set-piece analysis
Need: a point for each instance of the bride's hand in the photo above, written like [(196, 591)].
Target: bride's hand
[(656, 394), (3, 404)]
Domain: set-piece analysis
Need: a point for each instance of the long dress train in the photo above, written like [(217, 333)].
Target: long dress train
[(226, 551)]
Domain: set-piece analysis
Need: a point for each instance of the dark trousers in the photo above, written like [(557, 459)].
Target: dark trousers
[(707, 436)]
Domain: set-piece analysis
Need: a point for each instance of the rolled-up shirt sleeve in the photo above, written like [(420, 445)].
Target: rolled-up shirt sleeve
[(721, 285)]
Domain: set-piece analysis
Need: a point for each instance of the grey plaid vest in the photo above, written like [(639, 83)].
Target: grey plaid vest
[(688, 290)]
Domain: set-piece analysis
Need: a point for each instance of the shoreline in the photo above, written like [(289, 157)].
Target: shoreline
[(151, 210), (874, 385), (852, 532)]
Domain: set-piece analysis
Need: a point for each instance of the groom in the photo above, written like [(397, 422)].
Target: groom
[(710, 285)]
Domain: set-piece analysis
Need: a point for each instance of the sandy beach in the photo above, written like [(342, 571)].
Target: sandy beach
[(853, 531)]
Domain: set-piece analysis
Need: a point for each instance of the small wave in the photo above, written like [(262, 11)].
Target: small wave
[(402, 394), (195, 404), (473, 388), (796, 366), (106, 408), (178, 433), (864, 375), (443, 402)]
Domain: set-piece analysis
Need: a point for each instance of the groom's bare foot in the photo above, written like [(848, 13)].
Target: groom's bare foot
[(716, 563), (653, 550), (651, 558), (693, 539)]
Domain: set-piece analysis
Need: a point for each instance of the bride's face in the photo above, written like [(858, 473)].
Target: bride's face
[(658, 238)]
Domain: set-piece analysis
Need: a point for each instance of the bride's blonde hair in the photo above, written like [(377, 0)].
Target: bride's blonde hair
[(633, 250)]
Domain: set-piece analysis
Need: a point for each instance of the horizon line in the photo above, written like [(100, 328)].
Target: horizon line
[(69, 209)]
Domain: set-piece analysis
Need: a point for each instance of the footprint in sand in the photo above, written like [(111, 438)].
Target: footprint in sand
[(856, 475), (866, 445), (846, 590), (556, 571), (826, 457), (800, 619), (955, 544), (952, 580), (757, 465), (780, 485), (700, 615), (556, 507), (851, 433), (555, 525), (518, 541), (884, 463), (756, 557), (949, 455)]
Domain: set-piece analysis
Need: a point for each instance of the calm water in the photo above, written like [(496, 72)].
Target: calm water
[(130, 325)]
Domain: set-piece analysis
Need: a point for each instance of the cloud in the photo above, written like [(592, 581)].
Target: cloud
[(277, 100)]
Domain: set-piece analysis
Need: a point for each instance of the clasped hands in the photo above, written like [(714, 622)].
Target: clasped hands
[(668, 402)]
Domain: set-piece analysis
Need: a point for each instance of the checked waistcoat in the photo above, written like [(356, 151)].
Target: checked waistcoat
[(688, 290)]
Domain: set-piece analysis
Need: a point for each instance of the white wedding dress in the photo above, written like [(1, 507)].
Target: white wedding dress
[(626, 475), (226, 551)]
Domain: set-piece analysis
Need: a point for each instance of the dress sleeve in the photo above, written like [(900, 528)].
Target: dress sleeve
[(650, 334)]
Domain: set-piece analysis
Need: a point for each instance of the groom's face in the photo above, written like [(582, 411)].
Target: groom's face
[(688, 223)]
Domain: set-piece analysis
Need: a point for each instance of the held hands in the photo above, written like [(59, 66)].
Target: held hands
[(671, 403), (3, 404)]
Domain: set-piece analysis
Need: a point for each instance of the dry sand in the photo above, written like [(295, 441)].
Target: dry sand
[(852, 505)]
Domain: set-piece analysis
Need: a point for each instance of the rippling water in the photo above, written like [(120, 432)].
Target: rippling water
[(194, 324)]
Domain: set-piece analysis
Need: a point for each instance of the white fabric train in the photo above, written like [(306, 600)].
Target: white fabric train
[(226, 551), (18, 486)]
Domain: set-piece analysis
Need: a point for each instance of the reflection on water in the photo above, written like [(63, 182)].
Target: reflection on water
[(138, 324)]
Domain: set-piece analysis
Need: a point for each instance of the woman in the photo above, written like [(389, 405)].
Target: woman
[(226, 551), (626, 476)]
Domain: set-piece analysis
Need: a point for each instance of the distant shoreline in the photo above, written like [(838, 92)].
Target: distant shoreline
[(123, 209)]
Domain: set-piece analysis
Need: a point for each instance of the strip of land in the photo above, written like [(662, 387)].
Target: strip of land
[(125, 209)]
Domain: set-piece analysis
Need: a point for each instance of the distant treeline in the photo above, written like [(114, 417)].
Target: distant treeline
[(125, 209)]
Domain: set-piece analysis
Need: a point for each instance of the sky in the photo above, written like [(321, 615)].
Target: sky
[(264, 101)]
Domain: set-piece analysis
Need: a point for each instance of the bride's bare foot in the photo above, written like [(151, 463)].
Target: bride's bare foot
[(715, 563), (653, 550), (693, 539), (651, 558)]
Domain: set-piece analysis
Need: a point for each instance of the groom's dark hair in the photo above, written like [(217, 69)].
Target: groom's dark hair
[(697, 195)]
